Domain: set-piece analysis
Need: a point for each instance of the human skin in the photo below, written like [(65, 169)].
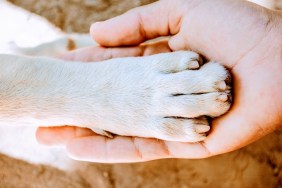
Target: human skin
[(244, 37)]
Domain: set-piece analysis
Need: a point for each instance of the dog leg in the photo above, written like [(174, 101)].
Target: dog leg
[(165, 96)]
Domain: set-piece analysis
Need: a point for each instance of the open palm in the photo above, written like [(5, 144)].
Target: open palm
[(242, 36)]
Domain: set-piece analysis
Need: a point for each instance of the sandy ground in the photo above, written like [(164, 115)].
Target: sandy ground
[(77, 15), (258, 165)]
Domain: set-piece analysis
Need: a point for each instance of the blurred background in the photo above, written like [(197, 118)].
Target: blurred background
[(23, 163)]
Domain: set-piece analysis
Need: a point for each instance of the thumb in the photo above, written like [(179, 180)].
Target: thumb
[(139, 24)]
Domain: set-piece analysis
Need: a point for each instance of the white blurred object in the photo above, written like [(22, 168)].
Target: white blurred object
[(24, 28), (19, 142), (265, 3)]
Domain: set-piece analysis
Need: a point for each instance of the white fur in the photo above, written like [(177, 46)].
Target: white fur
[(155, 96)]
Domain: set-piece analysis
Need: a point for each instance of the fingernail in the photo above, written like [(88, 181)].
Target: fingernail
[(194, 65), (222, 85), (223, 97), (202, 128)]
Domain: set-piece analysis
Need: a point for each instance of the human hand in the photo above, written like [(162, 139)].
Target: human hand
[(244, 37)]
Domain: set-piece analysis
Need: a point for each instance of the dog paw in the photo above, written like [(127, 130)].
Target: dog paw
[(184, 97), (166, 96)]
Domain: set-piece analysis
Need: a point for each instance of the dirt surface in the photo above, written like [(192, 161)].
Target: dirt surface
[(258, 165)]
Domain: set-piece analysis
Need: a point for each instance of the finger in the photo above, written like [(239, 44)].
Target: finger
[(139, 24), (60, 135), (98, 53), (120, 149), (253, 113), (242, 125), (83, 144), (130, 149)]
